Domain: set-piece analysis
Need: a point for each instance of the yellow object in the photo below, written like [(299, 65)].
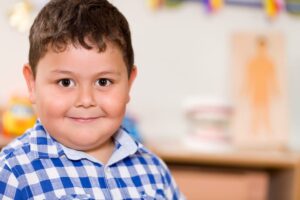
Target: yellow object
[(270, 8), (18, 116), (155, 4), (216, 4)]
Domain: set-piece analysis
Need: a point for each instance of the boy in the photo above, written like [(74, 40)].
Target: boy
[(79, 76)]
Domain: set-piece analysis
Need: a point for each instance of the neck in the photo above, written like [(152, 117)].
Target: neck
[(104, 152)]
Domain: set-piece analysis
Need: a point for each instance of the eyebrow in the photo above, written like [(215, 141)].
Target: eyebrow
[(57, 71)]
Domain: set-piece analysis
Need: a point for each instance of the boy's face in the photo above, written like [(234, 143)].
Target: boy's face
[(80, 95)]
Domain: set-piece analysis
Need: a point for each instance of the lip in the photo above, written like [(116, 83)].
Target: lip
[(84, 119)]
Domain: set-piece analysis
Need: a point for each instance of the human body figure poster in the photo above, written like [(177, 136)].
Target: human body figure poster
[(259, 93)]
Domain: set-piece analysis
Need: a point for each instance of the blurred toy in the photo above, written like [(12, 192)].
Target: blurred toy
[(18, 116), (208, 123)]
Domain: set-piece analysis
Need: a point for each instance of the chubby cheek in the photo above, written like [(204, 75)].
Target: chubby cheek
[(115, 104), (50, 105)]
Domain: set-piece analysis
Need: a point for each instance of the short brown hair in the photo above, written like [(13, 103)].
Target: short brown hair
[(79, 22)]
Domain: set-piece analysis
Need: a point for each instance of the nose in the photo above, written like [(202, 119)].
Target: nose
[(85, 97)]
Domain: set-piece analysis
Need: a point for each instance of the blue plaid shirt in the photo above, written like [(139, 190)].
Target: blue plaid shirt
[(35, 166)]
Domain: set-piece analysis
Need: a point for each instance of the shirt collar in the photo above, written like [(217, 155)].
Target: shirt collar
[(124, 146), (44, 146)]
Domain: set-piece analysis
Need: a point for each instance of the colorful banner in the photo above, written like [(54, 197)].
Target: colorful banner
[(271, 7)]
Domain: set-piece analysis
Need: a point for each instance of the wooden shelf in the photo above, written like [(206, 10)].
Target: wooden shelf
[(281, 168), (275, 160)]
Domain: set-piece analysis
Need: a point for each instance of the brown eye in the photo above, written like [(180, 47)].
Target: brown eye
[(103, 82), (66, 82)]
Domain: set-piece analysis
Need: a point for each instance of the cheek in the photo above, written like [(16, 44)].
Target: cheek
[(115, 105), (51, 105)]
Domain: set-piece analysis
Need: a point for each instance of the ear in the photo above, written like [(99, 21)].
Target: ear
[(132, 76), (131, 79), (30, 81)]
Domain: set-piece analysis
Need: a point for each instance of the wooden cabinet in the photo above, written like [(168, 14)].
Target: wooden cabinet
[(234, 175)]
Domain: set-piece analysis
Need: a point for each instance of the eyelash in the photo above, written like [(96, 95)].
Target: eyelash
[(62, 83), (66, 82), (108, 82)]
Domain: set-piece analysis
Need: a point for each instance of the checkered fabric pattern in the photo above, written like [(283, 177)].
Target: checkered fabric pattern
[(35, 166)]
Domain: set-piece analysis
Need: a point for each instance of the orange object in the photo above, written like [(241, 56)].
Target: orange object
[(18, 116), (261, 85)]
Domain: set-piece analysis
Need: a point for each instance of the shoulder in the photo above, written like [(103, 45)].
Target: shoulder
[(10, 166), (11, 159), (15, 150)]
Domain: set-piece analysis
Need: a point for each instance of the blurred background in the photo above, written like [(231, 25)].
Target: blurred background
[(183, 51)]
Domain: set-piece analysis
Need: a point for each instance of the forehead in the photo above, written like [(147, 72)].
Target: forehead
[(88, 44), (108, 48), (73, 56)]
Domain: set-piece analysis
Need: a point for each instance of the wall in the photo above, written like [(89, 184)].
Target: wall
[(179, 52)]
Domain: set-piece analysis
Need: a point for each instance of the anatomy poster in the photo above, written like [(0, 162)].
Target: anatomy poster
[(259, 90)]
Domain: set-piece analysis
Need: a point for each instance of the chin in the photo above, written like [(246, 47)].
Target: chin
[(82, 146), (84, 143)]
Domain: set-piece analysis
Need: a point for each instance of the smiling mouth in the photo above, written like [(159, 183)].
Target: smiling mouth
[(84, 119)]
